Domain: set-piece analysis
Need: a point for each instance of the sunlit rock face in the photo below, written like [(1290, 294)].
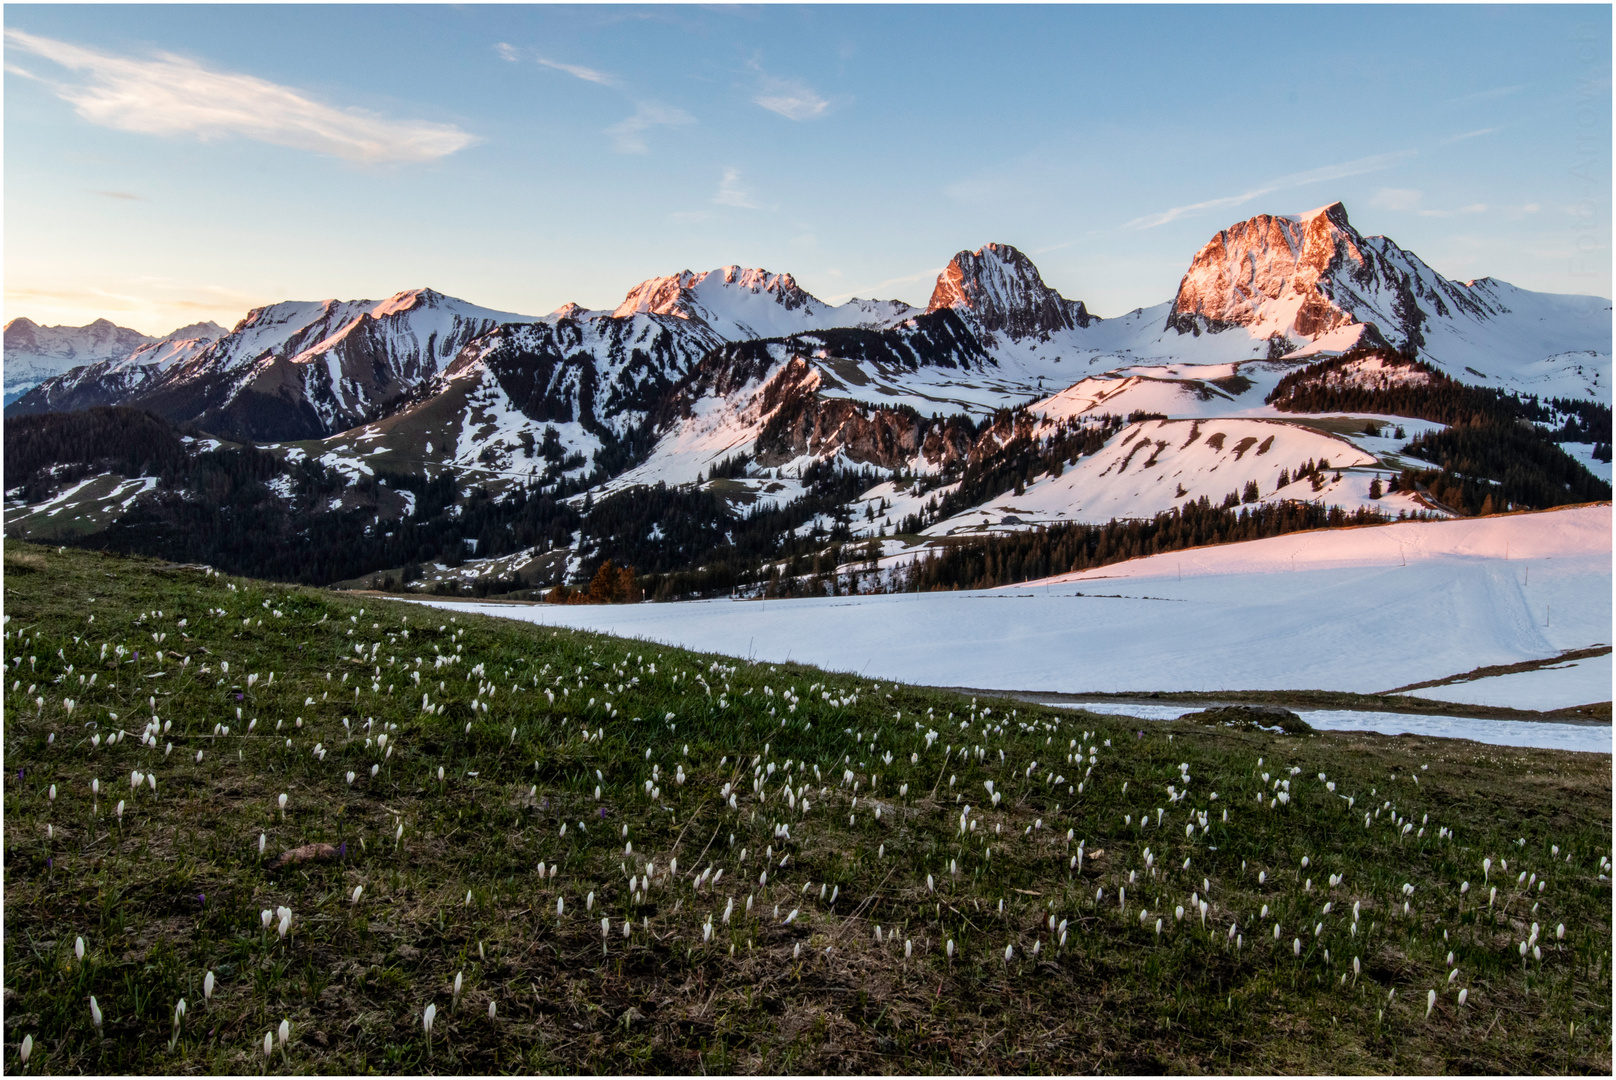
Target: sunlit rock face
[(1300, 278), (1000, 291)]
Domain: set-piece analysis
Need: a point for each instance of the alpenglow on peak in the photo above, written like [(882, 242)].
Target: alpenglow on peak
[(1002, 292)]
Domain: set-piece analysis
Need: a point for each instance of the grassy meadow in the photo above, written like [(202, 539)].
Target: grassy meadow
[(587, 854)]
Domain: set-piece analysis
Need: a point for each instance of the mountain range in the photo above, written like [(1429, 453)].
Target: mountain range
[(695, 372)]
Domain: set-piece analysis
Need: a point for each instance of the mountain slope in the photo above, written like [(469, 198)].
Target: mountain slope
[(1001, 291), (34, 353), (119, 378), (1003, 406), (291, 370), (1152, 466), (1313, 283)]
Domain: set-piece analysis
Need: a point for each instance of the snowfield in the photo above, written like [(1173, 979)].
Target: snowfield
[(1362, 610), (1576, 682)]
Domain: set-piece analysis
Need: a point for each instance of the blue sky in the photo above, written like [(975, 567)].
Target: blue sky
[(168, 164)]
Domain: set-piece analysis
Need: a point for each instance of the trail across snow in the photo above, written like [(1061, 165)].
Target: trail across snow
[(1361, 610)]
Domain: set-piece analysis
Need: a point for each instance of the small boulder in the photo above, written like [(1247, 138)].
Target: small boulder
[(306, 853)]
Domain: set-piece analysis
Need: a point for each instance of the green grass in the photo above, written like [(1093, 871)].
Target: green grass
[(175, 889)]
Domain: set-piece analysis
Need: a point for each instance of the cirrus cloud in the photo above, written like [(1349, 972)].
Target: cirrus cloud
[(790, 98), (628, 134), (171, 95), (1374, 163), (730, 192)]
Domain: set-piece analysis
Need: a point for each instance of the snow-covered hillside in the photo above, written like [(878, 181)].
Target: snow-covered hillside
[(1361, 610), (174, 348), (1156, 465)]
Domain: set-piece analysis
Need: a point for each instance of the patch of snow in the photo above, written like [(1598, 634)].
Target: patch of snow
[(1560, 686), (1584, 453)]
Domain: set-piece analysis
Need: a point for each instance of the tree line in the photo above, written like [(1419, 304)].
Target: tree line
[(988, 562), (1434, 395)]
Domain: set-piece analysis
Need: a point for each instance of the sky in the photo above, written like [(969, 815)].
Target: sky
[(165, 165)]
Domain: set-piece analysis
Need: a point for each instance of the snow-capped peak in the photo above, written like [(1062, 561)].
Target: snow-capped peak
[(1268, 274), (99, 340), (197, 331), (688, 294), (1312, 283), (1002, 291), (34, 353), (1327, 210), (737, 303)]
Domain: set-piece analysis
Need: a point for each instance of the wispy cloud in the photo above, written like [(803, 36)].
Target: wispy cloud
[(790, 98), (1063, 245), (1487, 95), (1473, 208), (514, 55), (730, 192), (628, 135), (119, 195), (578, 71), (1357, 167), (171, 95), (873, 292), (1408, 200), (1468, 135), (1396, 199)]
